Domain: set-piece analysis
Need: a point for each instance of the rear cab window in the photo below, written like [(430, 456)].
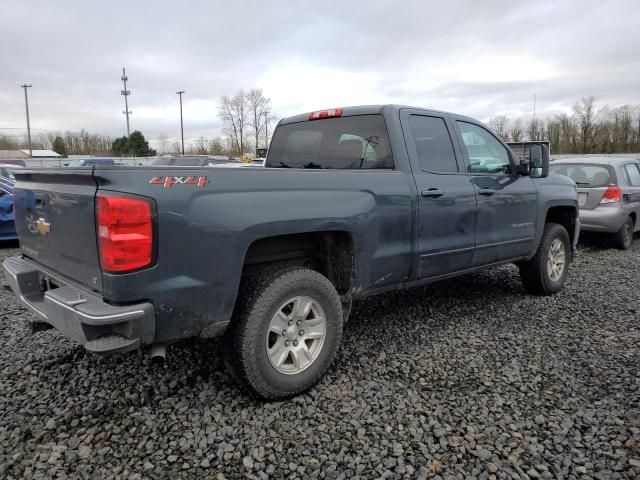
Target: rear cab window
[(585, 175), (346, 143)]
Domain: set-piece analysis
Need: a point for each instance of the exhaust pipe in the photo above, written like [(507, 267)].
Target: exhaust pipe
[(158, 352)]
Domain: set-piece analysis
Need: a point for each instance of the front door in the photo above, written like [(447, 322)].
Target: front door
[(507, 201), (447, 198)]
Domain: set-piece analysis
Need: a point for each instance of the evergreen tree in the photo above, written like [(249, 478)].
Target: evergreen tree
[(135, 145), (119, 147), (59, 146)]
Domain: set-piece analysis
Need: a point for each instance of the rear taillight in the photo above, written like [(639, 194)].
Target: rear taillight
[(125, 233), (612, 195), (332, 112)]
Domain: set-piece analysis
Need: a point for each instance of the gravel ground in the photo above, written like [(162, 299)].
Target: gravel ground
[(470, 378)]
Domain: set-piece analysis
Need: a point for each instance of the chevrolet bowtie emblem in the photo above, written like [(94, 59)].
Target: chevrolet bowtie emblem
[(43, 227)]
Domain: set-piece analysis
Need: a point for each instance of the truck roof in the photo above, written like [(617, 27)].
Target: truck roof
[(367, 110)]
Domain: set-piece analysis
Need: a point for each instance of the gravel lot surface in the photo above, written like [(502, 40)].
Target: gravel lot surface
[(470, 378)]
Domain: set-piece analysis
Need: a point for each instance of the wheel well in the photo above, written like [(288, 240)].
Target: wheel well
[(329, 253), (633, 217), (565, 216)]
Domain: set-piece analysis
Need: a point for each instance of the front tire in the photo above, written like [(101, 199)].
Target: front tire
[(624, 237), (285, 331), (546, 272)]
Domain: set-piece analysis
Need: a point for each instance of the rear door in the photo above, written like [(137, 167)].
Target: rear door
[(55, 221), (447, 198), (507, 201)]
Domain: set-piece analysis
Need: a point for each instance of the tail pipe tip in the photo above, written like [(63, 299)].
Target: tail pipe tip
[(158, 352)]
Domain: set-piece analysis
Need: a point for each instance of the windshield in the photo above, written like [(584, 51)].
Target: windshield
[(358, 142), (585, 175), (77, 163)]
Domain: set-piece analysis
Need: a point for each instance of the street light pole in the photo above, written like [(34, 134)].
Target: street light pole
[(26, 104), (181, 124)]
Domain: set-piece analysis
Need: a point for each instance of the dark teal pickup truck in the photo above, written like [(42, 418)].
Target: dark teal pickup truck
[(352, 202)]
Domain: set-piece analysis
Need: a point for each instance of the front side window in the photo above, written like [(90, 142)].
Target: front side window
[(486, 153), (433, 144), (358, 142), (634, 174)]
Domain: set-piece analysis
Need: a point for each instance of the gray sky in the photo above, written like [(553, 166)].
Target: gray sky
[(479, 58)]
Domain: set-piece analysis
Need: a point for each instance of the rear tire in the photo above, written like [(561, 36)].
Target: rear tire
[(624, 237), (272, 310), (546, 272)]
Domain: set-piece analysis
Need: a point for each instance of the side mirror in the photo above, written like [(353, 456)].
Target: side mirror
[(539, 160)]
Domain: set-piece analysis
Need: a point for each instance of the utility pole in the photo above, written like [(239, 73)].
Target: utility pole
[(535, 100), (125, 93), (26, 104), (266, 129), (181, 124)]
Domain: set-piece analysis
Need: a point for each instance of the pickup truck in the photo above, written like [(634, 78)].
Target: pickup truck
[(351, 202)]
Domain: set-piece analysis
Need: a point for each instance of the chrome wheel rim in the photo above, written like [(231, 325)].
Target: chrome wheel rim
[(556, 260), (296, 335)]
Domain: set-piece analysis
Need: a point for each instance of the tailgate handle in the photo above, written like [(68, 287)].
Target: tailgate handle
[(41, 202)]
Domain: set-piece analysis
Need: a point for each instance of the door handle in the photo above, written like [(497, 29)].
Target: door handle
[(486, 191), (432, 192)]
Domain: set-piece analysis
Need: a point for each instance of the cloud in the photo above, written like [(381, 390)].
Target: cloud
[(475, 58)]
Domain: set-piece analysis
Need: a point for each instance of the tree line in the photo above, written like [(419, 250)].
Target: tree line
[(64, 143), (247, 122), (588, 129)]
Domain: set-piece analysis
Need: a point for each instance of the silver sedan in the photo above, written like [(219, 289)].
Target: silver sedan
[(608, 194)]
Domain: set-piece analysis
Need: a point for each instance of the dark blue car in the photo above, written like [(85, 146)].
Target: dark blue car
[(7, 224)]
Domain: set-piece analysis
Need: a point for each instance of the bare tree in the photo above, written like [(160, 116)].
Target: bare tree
[(201, 147), (553, 133), (216, 147), (259, 111), (622, 128), (586, 116), (163, 140), (535, 129), (500, 125), (515, 132), (234, 114)]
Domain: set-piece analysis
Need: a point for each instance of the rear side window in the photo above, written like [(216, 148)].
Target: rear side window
[(589, 176), (359, 142), (433, 144), (633, 173)]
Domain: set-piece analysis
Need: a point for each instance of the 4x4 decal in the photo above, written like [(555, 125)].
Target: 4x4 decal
[(168, 182)]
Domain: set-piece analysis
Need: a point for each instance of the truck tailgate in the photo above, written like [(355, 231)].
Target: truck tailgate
[(55, 220)]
